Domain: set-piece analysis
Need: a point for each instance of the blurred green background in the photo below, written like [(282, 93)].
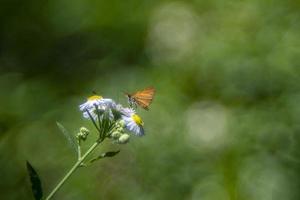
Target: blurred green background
[(224, 123)]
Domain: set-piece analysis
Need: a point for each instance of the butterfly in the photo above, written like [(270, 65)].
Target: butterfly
[(142, 98)]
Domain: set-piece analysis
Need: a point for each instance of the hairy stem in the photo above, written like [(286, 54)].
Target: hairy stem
[(78, 149), (72, 170)]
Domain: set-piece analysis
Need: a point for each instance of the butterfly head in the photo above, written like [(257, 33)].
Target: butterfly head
[(130, 100)]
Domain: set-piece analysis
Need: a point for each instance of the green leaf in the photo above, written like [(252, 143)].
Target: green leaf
[(36, 185), (68, 136), (105, 155), (109, 154)]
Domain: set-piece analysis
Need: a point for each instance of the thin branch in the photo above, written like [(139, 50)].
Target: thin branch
[(92, 120)]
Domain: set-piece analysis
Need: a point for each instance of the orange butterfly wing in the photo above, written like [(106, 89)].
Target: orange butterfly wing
[(144, 97)]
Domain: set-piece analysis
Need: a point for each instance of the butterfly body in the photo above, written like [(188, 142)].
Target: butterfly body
[(142, 98)]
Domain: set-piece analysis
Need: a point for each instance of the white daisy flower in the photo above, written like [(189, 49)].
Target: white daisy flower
[(93, 101), (126, 111), (117, 111), (133, 122)]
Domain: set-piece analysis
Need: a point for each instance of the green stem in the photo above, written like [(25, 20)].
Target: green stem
[(72, 170), (78, 149)]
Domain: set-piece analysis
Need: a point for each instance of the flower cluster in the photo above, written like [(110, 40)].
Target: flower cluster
[(111, 119)]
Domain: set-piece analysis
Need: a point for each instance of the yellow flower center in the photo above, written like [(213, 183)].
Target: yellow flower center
[(137, 119), (94, 97)]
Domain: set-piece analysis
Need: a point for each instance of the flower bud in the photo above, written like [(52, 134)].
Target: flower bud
[(82, 135), (116, 134), (120, 129), (84, 130), (121, 123), (123, 139)]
